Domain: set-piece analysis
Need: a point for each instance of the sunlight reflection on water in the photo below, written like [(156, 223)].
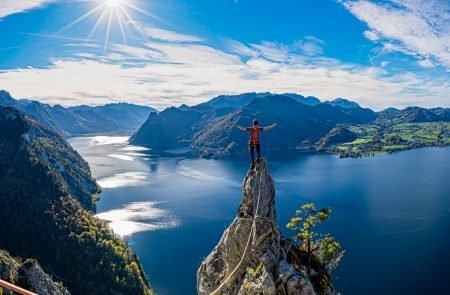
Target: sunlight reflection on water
[(103, 140), (134, 148), (121, 157), (123, 180), (138, 217)]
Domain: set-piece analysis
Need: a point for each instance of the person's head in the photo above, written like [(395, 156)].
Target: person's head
[(255, 122)]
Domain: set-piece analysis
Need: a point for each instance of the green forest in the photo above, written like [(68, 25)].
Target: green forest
[(47, 209)]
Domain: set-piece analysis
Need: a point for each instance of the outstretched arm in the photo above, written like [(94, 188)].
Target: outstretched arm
[(270, 127), (242, 128)]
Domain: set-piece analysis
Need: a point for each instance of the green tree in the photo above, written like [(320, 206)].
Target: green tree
[(303, 224), (330, 251)]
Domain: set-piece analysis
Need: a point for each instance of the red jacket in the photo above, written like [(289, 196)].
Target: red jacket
[(254, 134)]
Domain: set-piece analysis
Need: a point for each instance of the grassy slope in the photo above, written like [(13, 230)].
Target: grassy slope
[(373, 138)]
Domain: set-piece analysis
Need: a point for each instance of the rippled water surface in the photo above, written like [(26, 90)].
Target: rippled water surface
[(391, 213)]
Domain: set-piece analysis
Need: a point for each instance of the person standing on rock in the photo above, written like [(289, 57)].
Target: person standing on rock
[(254, 138)]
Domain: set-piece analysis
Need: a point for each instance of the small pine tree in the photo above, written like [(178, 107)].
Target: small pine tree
[(303, 224), (330, 251)]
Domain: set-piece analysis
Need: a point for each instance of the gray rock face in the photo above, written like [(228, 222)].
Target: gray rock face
[(28, 275), (40, 282), (250, 258)]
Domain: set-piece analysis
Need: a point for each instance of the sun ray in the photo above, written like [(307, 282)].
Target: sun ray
[(132, 22), (119, 20), (97, 23), (83, 17), (134, 7), (115, 16), (108, 31), (140, 10)]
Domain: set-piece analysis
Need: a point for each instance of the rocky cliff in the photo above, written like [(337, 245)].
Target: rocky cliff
[(28, 275), (252, 257)]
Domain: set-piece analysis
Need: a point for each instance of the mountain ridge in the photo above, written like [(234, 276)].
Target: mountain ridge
[(211, 133), (210, 130), (113, 118)]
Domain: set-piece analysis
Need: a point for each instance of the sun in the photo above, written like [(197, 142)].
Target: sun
[(113, 3), (109, 14)]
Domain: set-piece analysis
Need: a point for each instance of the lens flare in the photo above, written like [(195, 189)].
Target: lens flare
[(113, 3), (109, 14)]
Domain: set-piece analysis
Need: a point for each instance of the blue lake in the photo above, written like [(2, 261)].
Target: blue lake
[(391, 213)]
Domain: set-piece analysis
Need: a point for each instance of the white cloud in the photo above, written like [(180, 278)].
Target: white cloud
[(315, 39), (311, 48), (164, 73), (278, 52), (371, 35), (272, 51), (416, 27), (384, 63), (169, 36), (426, 63), (240, 49), (8, 7), (192, 54)]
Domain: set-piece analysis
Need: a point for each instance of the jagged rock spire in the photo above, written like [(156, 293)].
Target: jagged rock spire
[(258, 184), (250, 258)]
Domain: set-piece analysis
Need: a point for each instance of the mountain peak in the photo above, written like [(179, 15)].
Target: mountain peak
[(391, 110), (252, 257), (309, 100), (234, 101), (5, 96), (344, 103), (184, 107)]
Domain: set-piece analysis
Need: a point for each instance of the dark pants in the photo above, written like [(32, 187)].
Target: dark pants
[(251, 147)]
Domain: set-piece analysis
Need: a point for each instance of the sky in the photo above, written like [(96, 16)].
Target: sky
[(389, 53)]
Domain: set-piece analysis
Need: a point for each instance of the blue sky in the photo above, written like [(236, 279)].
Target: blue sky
[(378, 53)]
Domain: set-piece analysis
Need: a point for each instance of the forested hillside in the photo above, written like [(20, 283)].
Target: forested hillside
[(46, 205)]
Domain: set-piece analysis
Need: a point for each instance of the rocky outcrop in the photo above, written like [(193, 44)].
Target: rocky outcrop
[(39, 281), (252, 257), (28, 275)]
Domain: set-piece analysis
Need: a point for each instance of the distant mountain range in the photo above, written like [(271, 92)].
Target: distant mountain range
[(303, 123), (47, 207), (116, 118), (415, 115), (240, 100)]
